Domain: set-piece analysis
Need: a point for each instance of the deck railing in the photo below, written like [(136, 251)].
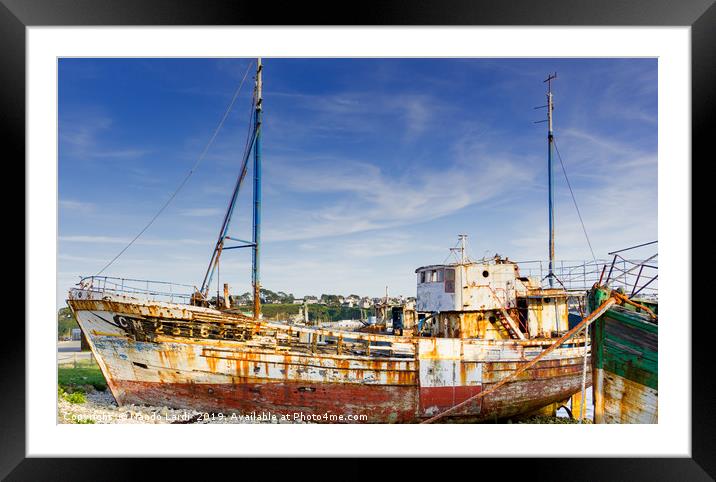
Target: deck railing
[(571, 275), (636, 277), (138, 288)]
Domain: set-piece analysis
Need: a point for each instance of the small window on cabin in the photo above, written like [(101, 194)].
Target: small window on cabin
[(439, 276), (485, 273), (433, 276), (449, 281), (421, 276)]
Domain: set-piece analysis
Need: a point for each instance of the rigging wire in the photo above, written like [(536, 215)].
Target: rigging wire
[(452, 253), (189, 174), (574, 199), (216, 253)]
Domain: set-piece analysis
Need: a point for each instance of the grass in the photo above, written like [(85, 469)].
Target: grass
[(76, 397), (78, 379)]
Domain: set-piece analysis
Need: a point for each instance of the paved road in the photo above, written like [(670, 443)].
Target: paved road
[(69, 351)]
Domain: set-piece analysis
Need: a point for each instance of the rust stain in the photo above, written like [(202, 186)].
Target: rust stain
[(201, 363)]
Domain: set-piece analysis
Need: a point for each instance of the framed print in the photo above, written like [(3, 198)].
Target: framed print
[(444, 229)]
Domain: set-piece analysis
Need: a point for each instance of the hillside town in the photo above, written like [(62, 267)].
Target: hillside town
[(269, 297)]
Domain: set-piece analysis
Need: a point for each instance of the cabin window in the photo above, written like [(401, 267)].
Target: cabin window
[(485, 274), (449, 281), (431, 276)]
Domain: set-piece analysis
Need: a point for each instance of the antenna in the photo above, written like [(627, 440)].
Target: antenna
[(462, 249), (462, 238)]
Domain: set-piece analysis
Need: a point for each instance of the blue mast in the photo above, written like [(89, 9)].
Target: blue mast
[(255, 145), (256, 279), (550, 177)]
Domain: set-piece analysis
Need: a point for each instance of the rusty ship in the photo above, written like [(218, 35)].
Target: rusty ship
[(625, 342), (476, 326)]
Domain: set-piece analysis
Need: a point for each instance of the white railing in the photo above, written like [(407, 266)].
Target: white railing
[(635, 277), (572, 275), (145, 289)]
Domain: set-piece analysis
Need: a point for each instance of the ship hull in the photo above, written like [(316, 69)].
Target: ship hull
[(188, 357), (625, 357)]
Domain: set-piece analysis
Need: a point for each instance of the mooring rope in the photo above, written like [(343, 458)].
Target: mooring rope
[(584, 374), (626, 299), (186, 178), (577, 328)]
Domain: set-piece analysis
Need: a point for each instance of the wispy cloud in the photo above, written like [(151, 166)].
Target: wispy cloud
[(349, 113), (77, 206), (123, 240), (200, 212), (618, 201), (367, 198), (370, 168), (81, 137)]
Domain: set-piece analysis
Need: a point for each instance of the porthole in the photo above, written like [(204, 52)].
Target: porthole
[(485, 274)]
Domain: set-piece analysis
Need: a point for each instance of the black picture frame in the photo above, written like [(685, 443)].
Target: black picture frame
[(700, 15)]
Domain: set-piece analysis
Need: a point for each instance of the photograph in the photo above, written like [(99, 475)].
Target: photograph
[(352, 240)]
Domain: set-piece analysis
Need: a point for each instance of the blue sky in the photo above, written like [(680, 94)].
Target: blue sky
[(371, 166)]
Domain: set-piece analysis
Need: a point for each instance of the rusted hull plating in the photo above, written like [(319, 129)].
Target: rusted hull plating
[(620, 400), (189, 357)]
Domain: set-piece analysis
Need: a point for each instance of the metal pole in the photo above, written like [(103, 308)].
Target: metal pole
[(637, 281), (550, 177), (462, 247), (256, 279)]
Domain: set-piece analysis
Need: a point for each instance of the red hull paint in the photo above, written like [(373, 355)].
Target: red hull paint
[(381, 404), (443, 398)]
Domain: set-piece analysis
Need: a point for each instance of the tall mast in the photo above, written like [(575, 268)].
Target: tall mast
[(255, 146), (550, 176), (256, 279)]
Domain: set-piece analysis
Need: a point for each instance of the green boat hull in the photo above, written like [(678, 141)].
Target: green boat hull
[(624, 364)]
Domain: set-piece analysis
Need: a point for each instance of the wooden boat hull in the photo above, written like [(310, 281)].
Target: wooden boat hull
[(189, 357), (625, 358)]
